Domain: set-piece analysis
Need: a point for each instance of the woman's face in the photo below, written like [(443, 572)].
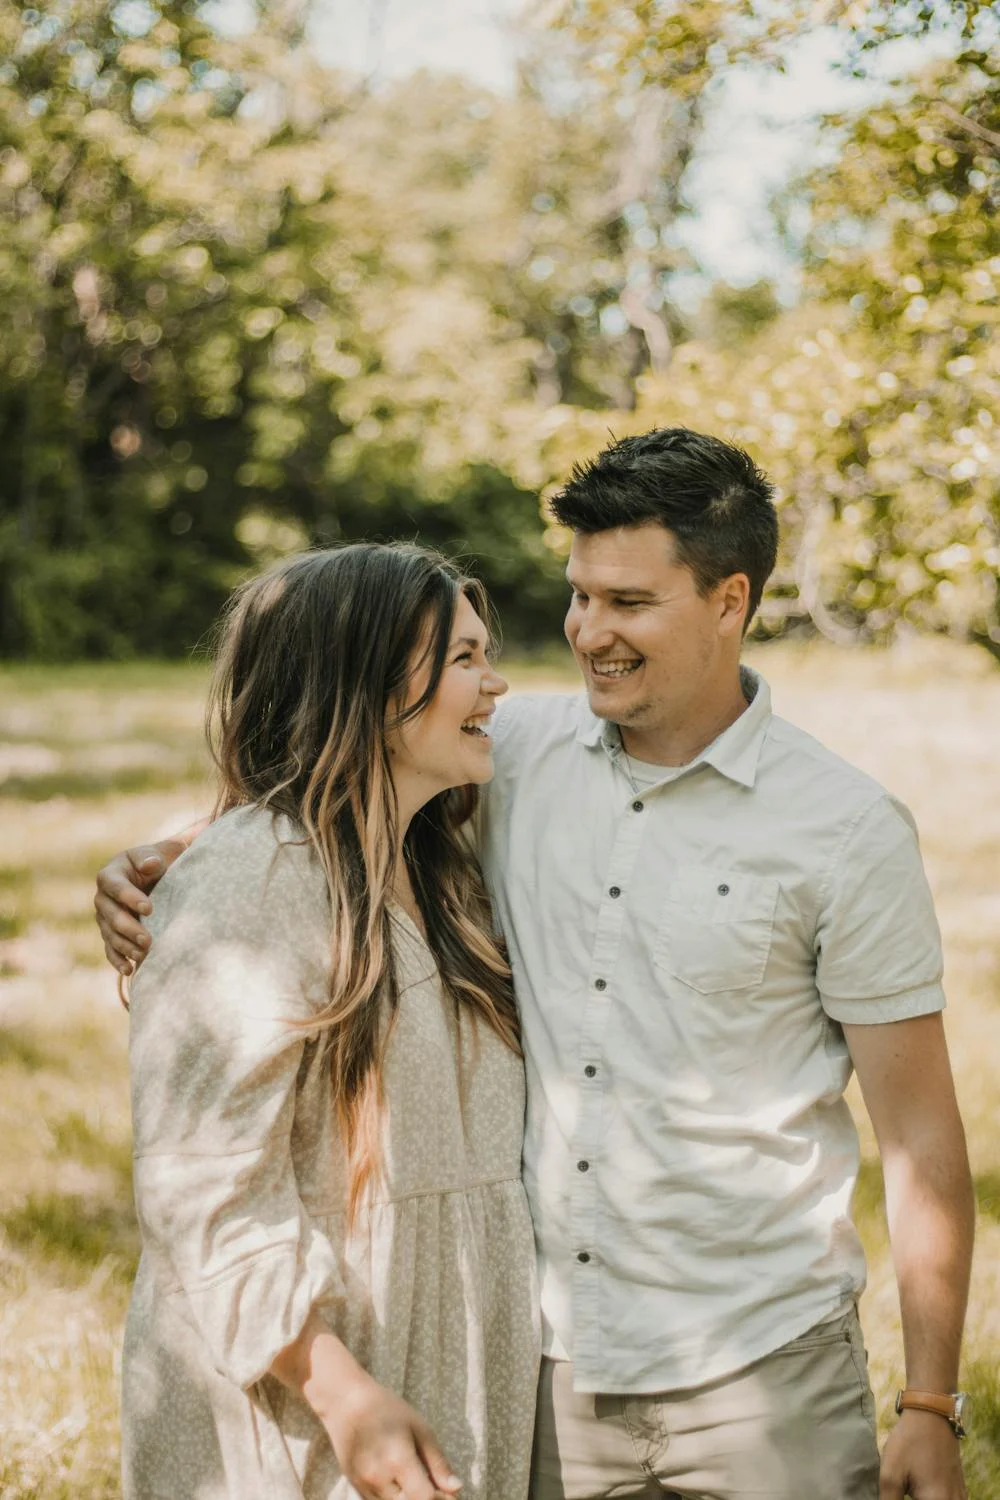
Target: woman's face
[(449, 743)]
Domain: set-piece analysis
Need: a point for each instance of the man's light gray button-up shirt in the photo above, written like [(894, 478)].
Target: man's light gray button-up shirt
[(684, 954)]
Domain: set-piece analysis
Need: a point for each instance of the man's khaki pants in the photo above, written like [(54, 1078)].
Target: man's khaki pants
[(797, 1425)]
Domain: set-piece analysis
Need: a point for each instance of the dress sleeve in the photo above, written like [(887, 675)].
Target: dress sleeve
[(878, 947), (214, 1061)]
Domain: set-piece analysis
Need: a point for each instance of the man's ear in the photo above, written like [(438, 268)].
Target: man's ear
[(734, 603)]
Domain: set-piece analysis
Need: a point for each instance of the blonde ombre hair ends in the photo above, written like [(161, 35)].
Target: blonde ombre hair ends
[(313, 658)]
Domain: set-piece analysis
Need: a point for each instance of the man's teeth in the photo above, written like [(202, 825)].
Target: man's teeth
[(614, 668)]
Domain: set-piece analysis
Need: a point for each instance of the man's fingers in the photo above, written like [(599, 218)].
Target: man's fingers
[(118, 925), (115, 881), (147, 860), (122, 898), (124, 958), (115, 959), (126, 943), (438, 1467)]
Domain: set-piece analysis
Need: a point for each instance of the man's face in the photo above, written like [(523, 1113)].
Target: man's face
[(648, 644)]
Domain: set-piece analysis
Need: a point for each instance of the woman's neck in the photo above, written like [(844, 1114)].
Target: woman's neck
[(402, 892)]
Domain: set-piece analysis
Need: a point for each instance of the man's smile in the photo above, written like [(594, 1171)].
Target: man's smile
[(614, 669)]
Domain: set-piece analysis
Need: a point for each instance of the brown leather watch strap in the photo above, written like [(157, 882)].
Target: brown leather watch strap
[(944, 1406)]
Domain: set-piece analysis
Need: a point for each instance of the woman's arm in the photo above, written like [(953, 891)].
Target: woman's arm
[(382, 1445), (241, 956)]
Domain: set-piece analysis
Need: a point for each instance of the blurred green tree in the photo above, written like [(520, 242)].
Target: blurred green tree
[(875, 401), (139, 211), (249, 304), (217, 340)]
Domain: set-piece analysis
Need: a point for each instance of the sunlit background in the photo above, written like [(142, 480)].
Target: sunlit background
[(296, 273)]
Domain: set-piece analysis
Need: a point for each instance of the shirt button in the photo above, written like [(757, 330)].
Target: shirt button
[(723, 890), (583, 1257), (600, 984), (637, 807), (590, 1071), (615, 892), (583, 1166)]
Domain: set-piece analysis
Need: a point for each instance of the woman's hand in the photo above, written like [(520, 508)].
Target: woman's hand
[(122, 897), (382, 1445), (385, 1448)]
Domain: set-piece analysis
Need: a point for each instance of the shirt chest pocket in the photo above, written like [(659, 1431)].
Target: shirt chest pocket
[(716, 929)]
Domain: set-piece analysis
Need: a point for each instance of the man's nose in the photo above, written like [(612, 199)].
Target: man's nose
[(593, 633)]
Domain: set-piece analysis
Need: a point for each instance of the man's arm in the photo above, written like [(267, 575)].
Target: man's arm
[(122, 896), (906, 1081)]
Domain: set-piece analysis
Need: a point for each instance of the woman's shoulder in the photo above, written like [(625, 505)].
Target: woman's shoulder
[(256, 837), (248, 864), (242, 918), (254, 828)]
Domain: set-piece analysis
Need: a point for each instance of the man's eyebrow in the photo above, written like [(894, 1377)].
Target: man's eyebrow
[(622, 593)]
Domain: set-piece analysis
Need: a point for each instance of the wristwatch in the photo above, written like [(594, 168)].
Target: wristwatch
[(953, 1408)]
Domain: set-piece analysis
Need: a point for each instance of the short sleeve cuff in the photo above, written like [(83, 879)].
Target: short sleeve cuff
[(248, 1316), (873, 1011)]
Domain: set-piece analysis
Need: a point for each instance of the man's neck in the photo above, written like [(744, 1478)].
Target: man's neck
[(680, 743)]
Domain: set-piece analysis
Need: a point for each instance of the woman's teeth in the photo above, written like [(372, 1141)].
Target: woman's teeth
[(476, 727)]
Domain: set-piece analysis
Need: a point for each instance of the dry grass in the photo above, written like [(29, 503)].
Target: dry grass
[(92, 759)]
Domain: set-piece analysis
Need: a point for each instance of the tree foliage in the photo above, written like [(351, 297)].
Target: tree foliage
[(875, 402), (249, 304)]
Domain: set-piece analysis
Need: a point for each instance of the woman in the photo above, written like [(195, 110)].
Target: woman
[(336, 1286)]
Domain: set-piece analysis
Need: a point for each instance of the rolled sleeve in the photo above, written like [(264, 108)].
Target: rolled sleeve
[(215, 1058), (878, 946)]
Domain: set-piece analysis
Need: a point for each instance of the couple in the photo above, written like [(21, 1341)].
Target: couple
[(709, 920)]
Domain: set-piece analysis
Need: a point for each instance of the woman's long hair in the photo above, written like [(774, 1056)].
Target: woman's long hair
[(313, 661)]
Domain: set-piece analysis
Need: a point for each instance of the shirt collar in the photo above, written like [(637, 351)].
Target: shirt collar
[(734, 754)]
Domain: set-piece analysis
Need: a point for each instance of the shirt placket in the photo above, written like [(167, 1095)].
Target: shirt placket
[(587, 1164)]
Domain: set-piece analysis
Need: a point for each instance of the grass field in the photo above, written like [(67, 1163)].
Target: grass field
[(92, 759)]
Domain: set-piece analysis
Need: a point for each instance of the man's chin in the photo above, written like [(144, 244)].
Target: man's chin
[(616, 707)]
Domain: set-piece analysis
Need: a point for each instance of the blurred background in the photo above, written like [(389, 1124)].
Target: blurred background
[(286, 274)]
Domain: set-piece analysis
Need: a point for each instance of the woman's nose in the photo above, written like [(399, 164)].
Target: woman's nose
[(494, 684)]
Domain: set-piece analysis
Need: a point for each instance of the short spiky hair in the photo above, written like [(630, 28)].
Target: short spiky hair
[(709, 494)]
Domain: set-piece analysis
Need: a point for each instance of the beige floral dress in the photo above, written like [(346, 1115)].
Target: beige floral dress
[(240, 1190)]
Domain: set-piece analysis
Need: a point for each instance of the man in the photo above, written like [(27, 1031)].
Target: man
[(710, 919)]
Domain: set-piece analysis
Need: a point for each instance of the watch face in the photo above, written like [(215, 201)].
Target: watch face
[(961, 1408)]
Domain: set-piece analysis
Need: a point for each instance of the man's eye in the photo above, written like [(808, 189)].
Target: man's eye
[(579, 598)]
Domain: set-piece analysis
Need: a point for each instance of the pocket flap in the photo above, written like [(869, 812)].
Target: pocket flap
[(707, 894)]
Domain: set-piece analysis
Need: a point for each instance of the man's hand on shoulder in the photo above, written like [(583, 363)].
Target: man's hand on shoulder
[(122, 897), (922, 1459)]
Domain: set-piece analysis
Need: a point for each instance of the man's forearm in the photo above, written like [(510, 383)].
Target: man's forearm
[(931, 1211)]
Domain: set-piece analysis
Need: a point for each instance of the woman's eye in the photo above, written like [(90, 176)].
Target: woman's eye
[(465, 656)]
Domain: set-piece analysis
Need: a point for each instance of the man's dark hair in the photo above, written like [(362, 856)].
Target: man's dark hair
[(709, 494)]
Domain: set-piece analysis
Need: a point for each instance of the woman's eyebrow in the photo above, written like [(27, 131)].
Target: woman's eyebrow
[(466, 640)]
